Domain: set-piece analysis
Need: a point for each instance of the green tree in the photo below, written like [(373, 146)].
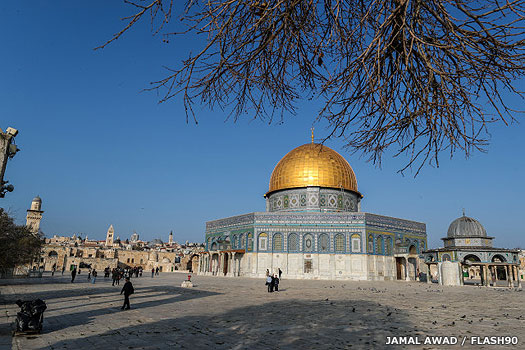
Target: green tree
[(18, 246), (418, 76)]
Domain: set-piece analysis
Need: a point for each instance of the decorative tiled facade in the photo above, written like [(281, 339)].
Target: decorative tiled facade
[(309, 235), (313, 198)]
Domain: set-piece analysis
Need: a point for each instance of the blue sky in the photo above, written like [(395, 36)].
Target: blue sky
[(99, 151)]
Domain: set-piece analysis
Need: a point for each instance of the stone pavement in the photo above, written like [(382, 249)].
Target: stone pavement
[(238, 313)]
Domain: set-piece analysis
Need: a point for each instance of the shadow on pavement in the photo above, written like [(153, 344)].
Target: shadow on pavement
[(174, 295), (286, 324)]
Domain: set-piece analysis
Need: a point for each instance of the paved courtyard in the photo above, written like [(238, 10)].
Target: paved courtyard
[(238, 313)]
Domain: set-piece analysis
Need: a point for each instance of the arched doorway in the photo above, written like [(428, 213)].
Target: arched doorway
[(214, 264), (226, 262), (501, 273), (471, 272), (194, 261), (400, 268)]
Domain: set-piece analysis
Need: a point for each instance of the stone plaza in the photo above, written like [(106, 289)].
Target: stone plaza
[(239, 313)]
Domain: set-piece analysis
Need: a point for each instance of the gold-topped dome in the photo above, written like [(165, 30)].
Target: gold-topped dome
[(313, 165)]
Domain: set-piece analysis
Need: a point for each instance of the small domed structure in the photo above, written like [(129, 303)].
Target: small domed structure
[(467, 232), (466, 227)]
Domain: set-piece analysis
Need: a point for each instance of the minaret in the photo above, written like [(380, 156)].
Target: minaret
[(109, 236), (170, 239), (34, 215)]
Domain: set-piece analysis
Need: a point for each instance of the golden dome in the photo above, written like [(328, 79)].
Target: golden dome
[(313, 165)]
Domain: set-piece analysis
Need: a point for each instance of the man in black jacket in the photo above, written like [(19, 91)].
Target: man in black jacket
[(127, 290), (73, 274)]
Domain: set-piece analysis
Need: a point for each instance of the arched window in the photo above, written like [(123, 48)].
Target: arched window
[(445, 257), (356, 243), (340, 243), (422, 246), (250, 242), (324, 243), (293, 242), (379, 245), (263, 241), (214, 246), (278, 242), (235, 242), (53, 254), (370, 244), (308, 243), (243, 241), (388, 246)]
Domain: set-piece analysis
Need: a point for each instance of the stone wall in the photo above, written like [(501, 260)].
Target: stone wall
[(320, 266)]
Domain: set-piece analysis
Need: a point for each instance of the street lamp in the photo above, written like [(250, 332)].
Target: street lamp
[(8, 149)]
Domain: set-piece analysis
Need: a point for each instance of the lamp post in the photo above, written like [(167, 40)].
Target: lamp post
[(8, 149)]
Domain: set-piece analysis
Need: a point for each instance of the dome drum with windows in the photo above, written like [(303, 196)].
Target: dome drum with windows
[(313, 177)]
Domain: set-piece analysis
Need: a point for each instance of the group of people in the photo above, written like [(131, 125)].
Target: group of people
[(272, 281), (154, 271), (118, 273)]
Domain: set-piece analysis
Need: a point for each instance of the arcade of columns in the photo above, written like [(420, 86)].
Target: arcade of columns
[(511, 273), (216, 263)]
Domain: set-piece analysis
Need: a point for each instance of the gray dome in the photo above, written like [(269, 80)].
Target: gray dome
[(37, 199), (466, 227), (156, 241)]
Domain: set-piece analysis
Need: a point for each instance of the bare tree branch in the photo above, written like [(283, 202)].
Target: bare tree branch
[(418, 76)]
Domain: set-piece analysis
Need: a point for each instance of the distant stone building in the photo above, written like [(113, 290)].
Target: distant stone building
[(68, 252), (34, 215)]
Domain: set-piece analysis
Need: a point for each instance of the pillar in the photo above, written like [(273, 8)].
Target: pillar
[(230, 267), (406, 269), (461, 277), (481, 275), (509, 276), (234, 263), (429, 275)]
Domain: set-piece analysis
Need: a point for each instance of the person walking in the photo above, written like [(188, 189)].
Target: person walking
[(73, 274), (89, 275), (152, 272), (53, 270), (157, 271), (63, 269), (114, 276), (127, 290), (269, 283), (94, 279), (280, 273), (267, 272), (276, 283)]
